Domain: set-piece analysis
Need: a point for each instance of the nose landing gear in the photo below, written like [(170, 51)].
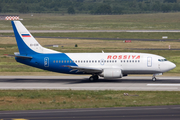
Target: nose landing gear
[(154, 76)]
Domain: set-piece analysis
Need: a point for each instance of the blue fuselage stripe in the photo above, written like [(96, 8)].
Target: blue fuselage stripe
[(51, 62)]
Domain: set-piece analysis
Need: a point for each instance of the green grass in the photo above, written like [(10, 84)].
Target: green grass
[(156, 21), (67, 99), (115, 35)]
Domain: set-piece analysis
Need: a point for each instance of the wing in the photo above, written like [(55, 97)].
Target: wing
[(85, 69)]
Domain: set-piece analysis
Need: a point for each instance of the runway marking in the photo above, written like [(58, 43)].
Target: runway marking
[(164, 85), (19, 119)]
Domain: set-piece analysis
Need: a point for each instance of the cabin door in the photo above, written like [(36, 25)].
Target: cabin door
[(149, 61), (46, 62)]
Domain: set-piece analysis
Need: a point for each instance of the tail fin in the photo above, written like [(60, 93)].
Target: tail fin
[(27, 44)]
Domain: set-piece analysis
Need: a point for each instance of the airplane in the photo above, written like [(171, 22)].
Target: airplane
[(107, 65)]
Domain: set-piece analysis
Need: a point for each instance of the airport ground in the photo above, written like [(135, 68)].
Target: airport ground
[(67, 99), (156, 21), (125, 113), (67, 92)]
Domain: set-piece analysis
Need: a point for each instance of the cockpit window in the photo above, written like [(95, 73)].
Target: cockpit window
[(162, 60)]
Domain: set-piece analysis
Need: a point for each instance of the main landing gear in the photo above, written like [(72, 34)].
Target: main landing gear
[(93, 78), (154, 79)]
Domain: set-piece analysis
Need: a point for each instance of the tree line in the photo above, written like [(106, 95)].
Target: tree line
[(89, 6)]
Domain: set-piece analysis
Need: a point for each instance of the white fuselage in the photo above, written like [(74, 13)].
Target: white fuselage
[(129, 63)]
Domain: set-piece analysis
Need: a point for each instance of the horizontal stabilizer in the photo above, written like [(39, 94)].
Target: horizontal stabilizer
[(21, 56)]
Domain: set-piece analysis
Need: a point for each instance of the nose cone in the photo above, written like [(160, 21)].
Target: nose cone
[(172, 65), (166, 66)]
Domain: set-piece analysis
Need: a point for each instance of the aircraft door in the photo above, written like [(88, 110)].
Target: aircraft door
[(46, 62), (102, 61), (149, 61)]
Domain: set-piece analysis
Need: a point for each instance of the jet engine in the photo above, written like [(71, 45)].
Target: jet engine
[(112, 73)]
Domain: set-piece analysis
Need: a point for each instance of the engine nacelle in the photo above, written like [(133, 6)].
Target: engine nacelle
[(112, 73)]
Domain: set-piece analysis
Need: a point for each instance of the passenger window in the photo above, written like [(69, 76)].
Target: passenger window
[(89, 61), (67, 61), (54, 61)]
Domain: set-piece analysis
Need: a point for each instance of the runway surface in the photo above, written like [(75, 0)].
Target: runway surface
[(82, 83), (128, 113), (70, 31)]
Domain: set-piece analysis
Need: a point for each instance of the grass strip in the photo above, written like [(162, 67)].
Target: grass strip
[(68, 99), (115, 35)]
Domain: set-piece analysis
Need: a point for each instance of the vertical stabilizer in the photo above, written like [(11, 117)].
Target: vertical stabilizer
[(27, 44)]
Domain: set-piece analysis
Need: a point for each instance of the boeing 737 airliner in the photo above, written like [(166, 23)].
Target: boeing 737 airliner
[(107, 65)]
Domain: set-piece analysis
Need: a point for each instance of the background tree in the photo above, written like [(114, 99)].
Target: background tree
[(103, 9), (71, 10), (89, 6), (23, 8), (166, 7), (117, 10), (170, 1)]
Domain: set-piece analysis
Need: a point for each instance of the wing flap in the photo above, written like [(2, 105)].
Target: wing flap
[(85, 69)]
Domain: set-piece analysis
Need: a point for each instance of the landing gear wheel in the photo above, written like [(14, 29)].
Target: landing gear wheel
[(153, 79), (96, 77), (93, 78)]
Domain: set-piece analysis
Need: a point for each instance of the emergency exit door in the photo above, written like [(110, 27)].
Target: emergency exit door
[(149, 61)]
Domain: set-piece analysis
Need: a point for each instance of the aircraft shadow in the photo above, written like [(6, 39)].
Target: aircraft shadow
[(85, 80)]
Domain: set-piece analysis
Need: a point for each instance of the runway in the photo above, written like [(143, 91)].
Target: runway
[(82, 83), (128, 113)]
